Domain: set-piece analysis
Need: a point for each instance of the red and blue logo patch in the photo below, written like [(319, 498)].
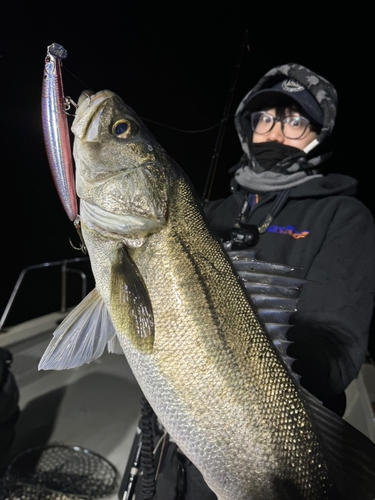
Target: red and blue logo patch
[(292, 231)]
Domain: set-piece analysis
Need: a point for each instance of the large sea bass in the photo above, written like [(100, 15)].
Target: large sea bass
[(185, 323)]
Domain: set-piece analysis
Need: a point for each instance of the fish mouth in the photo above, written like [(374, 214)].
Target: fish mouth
[(137, 226), (88, 105), (89, 99)]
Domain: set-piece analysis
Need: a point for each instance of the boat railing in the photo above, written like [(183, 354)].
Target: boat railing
[(65, 269)]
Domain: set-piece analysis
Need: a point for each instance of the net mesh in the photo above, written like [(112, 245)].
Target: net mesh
[(19, 491), (58, 472)]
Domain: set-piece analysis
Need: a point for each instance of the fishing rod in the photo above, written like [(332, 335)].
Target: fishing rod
[(223, 123)]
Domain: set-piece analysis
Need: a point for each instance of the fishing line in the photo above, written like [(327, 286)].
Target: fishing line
[(148, 120), (198, 131), (76, 77)]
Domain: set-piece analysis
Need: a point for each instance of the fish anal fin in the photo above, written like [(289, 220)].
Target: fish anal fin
[(130, 305), (81, 337)]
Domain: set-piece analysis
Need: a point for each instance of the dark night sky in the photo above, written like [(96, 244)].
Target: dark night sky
[(174, 64)]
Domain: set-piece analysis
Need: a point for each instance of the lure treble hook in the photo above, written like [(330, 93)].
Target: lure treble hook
[(82, 247), (68, 101)]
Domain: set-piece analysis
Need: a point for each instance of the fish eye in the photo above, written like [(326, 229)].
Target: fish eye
[(123, 129)]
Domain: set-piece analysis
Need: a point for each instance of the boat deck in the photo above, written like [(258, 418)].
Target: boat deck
[(96, 406)]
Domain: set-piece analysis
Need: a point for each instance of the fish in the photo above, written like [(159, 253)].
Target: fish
[(169, 296), (56, 130)]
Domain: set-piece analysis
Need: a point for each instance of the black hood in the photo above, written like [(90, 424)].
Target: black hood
[(322, 91)]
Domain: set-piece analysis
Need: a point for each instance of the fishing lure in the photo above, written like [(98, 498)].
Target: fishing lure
[(56, 133)]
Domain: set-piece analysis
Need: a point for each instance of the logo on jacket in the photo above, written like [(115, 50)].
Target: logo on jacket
[(292, 231), (292, 86)]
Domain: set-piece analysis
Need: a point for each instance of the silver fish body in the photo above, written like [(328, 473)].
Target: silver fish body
[(184, 319)]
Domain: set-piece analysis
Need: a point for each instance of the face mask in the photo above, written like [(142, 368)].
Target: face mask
[(268, 154)]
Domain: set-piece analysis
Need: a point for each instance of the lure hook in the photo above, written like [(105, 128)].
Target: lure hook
[(88, 97), (68, 101), (82, 246)]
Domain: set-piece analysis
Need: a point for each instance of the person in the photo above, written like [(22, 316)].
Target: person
[(306, 218), (285, 204)]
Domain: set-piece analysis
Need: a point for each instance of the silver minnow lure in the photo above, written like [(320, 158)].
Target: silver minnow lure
[(56, 131)]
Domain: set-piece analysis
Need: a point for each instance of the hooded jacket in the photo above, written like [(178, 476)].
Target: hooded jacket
[(323, 92), (323, 231), (328, 236)]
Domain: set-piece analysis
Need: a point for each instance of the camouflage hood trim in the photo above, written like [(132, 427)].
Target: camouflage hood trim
[(321, 89)]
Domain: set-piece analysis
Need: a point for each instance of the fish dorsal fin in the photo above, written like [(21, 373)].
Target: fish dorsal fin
[(130, 305), (267, 279), (350, 454), (81, 337), (274, 291)]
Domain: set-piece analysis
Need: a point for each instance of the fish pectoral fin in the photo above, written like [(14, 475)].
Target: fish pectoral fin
[(130, 305), (81, 337), (350, 454)]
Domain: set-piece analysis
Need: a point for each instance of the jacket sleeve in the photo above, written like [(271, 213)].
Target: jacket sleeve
[(331, 325)]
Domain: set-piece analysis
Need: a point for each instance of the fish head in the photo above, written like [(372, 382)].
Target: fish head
[(122, 173)]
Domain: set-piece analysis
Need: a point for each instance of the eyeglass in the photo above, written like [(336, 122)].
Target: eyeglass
[(292, 127)]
